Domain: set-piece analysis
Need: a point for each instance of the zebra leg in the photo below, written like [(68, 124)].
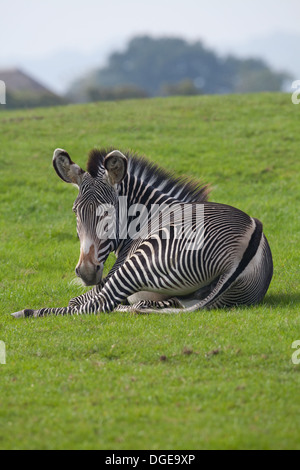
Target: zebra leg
[(157, 305), (87, 296), (93, 306), (72, 309), (150, 305), (252, 285), (43, 312), (114, 292), (99, 303), (194, 304), (145, 306)]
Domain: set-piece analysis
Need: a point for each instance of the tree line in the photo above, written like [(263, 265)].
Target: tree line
[(172, 66)]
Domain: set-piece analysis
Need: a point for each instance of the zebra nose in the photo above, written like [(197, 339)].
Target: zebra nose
[(90, 274)]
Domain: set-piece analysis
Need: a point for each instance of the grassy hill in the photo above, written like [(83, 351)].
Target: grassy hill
[(217, 379)]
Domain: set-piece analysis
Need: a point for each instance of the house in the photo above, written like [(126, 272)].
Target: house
[(23, 91)]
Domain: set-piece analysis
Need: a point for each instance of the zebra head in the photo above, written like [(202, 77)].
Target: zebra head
[(97, 200)]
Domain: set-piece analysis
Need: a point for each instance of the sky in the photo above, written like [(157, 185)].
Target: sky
[(32, 30)]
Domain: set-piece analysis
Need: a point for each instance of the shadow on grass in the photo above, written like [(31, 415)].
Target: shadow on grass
[(282, 300)]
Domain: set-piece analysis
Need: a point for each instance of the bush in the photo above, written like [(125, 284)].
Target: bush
[(23, 99), (184, 88), (115, 93)]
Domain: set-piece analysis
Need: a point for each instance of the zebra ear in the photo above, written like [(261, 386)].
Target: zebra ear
[(67, 170), (115, 164)]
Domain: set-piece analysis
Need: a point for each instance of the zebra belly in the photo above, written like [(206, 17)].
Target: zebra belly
[(196, 292), (144, 295)]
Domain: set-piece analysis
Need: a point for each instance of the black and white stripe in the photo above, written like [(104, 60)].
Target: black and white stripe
[(231, 266)]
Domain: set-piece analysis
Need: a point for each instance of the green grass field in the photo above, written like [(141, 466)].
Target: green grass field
[(221, 379)]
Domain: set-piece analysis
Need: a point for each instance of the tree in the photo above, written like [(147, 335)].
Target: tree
[(166, 66)]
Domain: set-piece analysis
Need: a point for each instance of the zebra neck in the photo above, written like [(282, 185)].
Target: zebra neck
[(140, 192), (137, 202)]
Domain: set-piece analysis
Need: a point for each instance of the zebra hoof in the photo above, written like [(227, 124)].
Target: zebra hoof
[(23, 313), (20, 314)]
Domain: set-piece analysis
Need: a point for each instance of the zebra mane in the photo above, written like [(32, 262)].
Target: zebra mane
[(182, 188)]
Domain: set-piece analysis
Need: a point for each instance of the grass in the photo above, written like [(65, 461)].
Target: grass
[(221, 379)]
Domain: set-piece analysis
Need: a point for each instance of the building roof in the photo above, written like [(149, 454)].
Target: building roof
[(16, 80)]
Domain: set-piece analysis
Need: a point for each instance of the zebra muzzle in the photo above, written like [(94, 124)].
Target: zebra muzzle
[(90, 274)]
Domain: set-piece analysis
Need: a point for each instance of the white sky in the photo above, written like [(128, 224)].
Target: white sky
[(35, 28)]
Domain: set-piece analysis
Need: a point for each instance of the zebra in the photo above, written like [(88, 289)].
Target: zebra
[(156, 271)]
